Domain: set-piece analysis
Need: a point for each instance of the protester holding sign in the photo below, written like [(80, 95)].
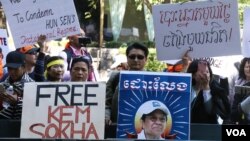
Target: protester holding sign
[(15, 62), (34, 60), (54, 69), (79, 69), (241, 102), (136, 58), (209, 99)]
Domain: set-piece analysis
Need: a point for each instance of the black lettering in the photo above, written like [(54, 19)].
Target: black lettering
[(61, 93), (73, 94), (39, 95), (87, 86)]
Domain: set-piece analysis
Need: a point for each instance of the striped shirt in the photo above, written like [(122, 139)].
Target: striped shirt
[(14, 111)]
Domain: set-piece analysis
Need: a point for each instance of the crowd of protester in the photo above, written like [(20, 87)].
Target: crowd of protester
[(210, 98)]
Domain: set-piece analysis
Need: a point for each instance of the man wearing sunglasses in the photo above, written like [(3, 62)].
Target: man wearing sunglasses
[(136, 55), (34, 59)]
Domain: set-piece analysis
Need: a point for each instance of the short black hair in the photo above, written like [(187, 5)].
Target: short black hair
[(79, 59), (137, 45)]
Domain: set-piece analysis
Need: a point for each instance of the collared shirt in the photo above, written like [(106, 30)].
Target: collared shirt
[(78, 52), (141, 135)]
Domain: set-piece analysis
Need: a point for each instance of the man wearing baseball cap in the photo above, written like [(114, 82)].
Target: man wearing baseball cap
[(29, 50), (153, 120), (34, 60), (16, 78)]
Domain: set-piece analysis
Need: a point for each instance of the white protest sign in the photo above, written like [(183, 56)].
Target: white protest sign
[(4, 43), (246, 33), (222, 63), (30, 18), (66, 110), (207, 28)]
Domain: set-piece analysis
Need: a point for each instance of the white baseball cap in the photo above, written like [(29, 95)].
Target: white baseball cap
[(152, 105)]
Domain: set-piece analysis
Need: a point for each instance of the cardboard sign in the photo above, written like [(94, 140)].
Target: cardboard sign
[(206, 28), (66, 110), (28, 19)]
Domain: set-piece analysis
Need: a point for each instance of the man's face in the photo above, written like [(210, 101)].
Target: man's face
[(74, 41), (136, 59), (30, 58), (16, 73), (79, 72), (155, 124)]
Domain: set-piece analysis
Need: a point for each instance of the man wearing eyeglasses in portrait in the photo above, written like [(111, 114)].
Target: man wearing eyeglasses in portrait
[(136, 54), (153, 120)]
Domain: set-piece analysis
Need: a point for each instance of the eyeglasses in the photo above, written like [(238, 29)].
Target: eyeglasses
[(155, 118), (139, 57)]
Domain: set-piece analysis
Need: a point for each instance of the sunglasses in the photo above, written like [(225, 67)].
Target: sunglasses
[(139, 57), (32, 53)]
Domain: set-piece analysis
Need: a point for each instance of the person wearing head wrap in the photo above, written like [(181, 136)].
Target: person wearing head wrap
[(54, 69)]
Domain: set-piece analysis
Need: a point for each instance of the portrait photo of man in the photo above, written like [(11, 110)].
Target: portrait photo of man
[(153, 120)]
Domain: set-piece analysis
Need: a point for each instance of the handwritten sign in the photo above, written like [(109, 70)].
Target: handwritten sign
[(3, 38), (66, 110), (4, 45), (172, 90), (246, 33), (222, 63), (30, 18), (207, 28)]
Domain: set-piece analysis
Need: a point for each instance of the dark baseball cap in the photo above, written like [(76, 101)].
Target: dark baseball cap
[(14, 59)]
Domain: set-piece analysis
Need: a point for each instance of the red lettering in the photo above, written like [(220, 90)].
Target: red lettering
[(48, 131), (58, 131), (63, 113), (73, 131), (32, 129), (92, 131), (63, 130), (51, 114), (79, 110)]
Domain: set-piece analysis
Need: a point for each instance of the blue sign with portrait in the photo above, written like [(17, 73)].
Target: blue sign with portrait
[(141, 94)]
